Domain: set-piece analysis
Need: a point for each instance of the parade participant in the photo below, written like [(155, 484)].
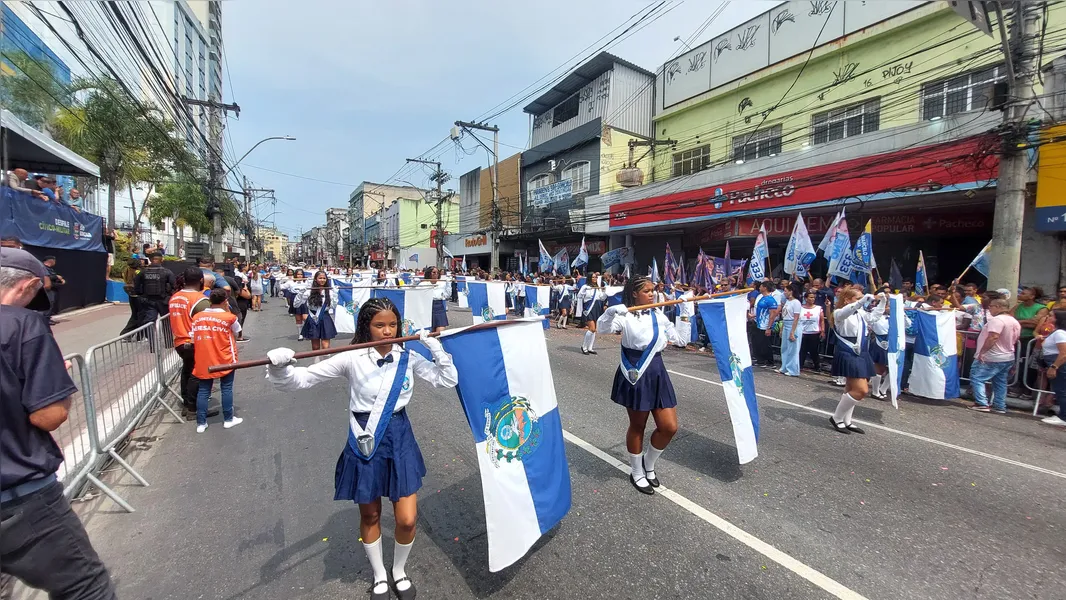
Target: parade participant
[(440, 298), (685, 313), (641, 383), (381, 280), (298, 305), (319, 326), (590, 299), (879, 383), (382, 457), (565, 291), (214, 336), (810, 325), (184, 304), (852, 357), (790, 334)]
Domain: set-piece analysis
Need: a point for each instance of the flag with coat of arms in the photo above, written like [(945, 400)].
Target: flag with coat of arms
[(508, 396), (487, 299), (538, 301), (935, 368)]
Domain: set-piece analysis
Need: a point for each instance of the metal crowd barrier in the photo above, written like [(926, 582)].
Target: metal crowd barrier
[(1037, 391), (120, 382)]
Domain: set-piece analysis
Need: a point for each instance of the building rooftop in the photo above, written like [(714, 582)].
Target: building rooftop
[(596, 66)]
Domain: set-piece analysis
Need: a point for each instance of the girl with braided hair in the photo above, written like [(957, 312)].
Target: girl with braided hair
[(641, 383), (319, 326), (381, 457)]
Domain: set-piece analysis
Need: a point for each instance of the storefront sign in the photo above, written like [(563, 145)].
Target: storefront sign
[(593, 247), (908, 172), (1051, 182), (918, 224), (478, 243)]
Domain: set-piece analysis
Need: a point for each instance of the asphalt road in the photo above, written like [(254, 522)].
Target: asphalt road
[(933, 502)]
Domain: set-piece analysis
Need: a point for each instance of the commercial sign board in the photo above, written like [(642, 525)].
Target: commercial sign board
[(593, 247), (1051, 182), (914, 171), (550, 194), (477, 243)]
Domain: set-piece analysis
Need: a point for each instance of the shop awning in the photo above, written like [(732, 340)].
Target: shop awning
[(27, 148)]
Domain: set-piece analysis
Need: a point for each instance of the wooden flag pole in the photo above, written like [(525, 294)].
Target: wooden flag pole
[(684, 300), (259, 362)]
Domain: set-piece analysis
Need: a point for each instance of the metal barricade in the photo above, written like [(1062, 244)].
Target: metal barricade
[(74, 437), (126, 379), (967, 351), (1042, 380)]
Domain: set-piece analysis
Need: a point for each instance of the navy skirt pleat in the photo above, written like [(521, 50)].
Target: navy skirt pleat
[(440, 314), (878, 355), (593, 313), (850, 365), (653, 390), (395, 470), (322, 329)]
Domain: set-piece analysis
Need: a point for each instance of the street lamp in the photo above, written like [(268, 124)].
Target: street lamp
[(275, 137)]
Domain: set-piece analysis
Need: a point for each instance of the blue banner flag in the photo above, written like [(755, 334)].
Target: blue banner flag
[(48, 224), (980, 262)]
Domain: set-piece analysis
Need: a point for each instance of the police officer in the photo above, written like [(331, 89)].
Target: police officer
[(154, 284)]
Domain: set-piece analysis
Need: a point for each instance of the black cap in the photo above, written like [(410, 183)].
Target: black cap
[(14, 258)]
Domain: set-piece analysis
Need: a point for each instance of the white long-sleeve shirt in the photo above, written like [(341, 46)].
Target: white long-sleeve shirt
[(686, 309), (853, 322), (367, 382), (636, 328)]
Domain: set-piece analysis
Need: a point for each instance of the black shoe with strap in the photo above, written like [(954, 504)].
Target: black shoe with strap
[(384, 595), (409, 593), (839, 427), (643, 490), (653, 480)]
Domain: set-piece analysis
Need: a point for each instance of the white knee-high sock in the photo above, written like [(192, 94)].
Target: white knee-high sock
[(377, 561), (650, 457), (592, 340), (885, 386), (875, 383), (844, 408), (636, 467), (585, 343), (399, 560)]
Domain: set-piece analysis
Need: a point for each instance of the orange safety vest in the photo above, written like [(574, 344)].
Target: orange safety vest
[(213, 342), (181, 305)]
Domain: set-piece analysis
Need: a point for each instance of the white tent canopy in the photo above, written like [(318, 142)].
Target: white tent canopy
[(25, 147)]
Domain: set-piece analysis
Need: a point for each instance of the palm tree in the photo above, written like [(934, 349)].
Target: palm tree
[(185, 201)]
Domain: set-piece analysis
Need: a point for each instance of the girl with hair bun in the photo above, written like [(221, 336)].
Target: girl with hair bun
[(641, 383), (381, 457)]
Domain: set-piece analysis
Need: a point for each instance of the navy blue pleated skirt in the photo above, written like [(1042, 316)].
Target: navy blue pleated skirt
[(653, 390), (396, 469), (593, 312), (565, 303), (850, 365), (440, 314), (322, 329), (878, 355)]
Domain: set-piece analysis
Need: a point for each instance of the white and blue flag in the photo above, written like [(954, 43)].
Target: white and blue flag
[(726, 321), (935, 370), (800, 252), (415, 305), (980, 262), (346, 307), (508, 395), (538, 301), (461, 287), (897, 345), (487, 299)]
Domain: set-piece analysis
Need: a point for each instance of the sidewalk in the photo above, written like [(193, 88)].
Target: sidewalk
[(78, 330)]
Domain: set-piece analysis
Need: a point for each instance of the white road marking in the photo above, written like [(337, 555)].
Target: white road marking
[(915, 436), (785, 560)]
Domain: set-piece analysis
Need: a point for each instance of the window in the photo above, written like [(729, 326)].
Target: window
[(692, 161), (846, 121), (969, 91), (578, 173), (566, 110), (540, 181), (764, 142)]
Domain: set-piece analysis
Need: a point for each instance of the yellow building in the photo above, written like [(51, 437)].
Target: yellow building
[(274, 244)]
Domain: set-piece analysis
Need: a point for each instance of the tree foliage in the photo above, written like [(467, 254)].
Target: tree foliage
[(33, 92)]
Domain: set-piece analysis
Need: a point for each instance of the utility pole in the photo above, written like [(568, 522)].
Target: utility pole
[(1021, 59), (214, 168), (497, 222), (440, 177)]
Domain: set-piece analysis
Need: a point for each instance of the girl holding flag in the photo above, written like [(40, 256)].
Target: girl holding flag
[(851, 360), (565, 292), (381, 457), (590, 300), (298, 305), (319, 326), (641, 383), (440, 298)]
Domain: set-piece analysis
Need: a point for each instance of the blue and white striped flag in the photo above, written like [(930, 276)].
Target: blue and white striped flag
[(935, 370), (463, 290), (726, 321), (980, 262), (508, 395), (897, 346), (614, 294), (415, 305), (348, 301), (488, 300), (538, 302)]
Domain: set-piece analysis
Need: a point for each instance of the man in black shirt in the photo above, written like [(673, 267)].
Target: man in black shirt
[(55, 282), (154, 284), (42, 541)]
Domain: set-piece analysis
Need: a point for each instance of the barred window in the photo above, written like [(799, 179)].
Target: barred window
[(692, 161), (539, 181), (961, 93), (578, 173), (845, 122), (764, 142), (565, 110)]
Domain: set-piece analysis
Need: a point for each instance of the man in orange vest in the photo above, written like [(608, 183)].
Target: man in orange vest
[(214, 339), (184, 304)]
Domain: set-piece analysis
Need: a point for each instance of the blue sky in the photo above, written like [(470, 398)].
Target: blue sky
[(364, 85)]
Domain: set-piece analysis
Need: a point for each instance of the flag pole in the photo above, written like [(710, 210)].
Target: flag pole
[(696, 299), (259, 362)]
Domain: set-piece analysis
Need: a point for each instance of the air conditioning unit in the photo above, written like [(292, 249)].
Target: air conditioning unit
[(549, 222)]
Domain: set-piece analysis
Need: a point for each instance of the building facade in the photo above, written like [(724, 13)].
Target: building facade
[(274, 244), (366, 200), (336, 236), (892, 116), (410, 230)]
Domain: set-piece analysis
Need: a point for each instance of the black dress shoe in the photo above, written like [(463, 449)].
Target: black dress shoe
[(643, 490), (654, 481), (409, 593), (840, 427), (592, 352), (379, 595), (855, 428), (585, 352)]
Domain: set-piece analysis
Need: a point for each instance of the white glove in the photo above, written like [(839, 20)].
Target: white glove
[(867, 299), (617, 309), (431, 343), (281, 357)]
